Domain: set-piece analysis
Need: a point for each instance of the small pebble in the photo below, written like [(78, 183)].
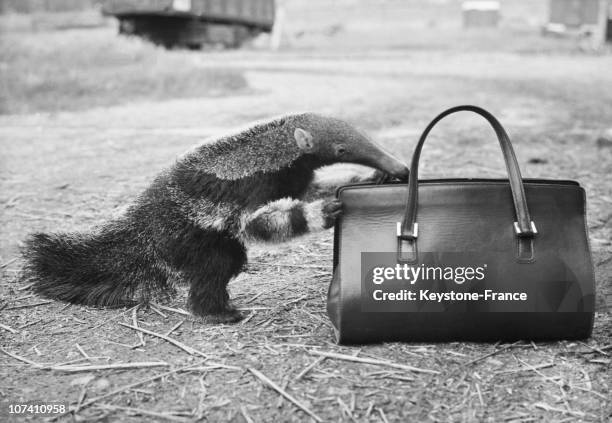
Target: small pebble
[(101, 384)]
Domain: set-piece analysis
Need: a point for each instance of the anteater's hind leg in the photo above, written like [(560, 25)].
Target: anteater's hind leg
[(208, 278)]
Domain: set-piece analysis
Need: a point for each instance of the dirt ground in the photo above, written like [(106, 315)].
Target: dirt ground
[(66, 168)]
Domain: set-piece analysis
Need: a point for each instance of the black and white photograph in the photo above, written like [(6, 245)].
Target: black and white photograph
[(305, 211)]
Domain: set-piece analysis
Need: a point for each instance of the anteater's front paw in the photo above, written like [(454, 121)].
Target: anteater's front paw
[(226, 317), (331, 210)]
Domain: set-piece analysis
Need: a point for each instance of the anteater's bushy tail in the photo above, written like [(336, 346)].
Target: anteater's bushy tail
[(78, 268)]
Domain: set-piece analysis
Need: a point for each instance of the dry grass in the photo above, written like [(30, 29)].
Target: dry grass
[(287, 338), (75, 70), (66, 171)]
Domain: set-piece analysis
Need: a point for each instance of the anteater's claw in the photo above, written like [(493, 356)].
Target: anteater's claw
[(227, 317), (331, 210)]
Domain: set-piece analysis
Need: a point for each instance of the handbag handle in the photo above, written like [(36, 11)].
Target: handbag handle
[(524, 227)]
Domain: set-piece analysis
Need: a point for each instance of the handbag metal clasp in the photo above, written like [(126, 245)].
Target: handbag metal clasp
[(412, 235), (518, 231)]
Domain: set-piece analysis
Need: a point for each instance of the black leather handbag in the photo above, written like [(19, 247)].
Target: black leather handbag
[(462, 259)]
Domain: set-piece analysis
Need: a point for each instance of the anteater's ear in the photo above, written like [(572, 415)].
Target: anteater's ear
[(304, 140)]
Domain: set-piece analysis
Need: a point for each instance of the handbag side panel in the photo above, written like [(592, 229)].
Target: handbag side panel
[(474, 217)]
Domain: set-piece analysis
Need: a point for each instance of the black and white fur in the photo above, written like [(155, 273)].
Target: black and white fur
[(193, 221)]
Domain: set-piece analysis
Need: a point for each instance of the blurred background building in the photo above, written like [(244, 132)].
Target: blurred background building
[(230, 23)]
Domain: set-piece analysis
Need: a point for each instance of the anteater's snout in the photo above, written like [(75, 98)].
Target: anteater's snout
[(393, 166), (371, 154), (401, 173)]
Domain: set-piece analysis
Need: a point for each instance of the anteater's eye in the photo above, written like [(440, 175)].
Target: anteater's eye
[(340, 150)]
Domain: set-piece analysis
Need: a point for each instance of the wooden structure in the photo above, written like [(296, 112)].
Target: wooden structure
[(480, 14), (583, 17), (193, 23)]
